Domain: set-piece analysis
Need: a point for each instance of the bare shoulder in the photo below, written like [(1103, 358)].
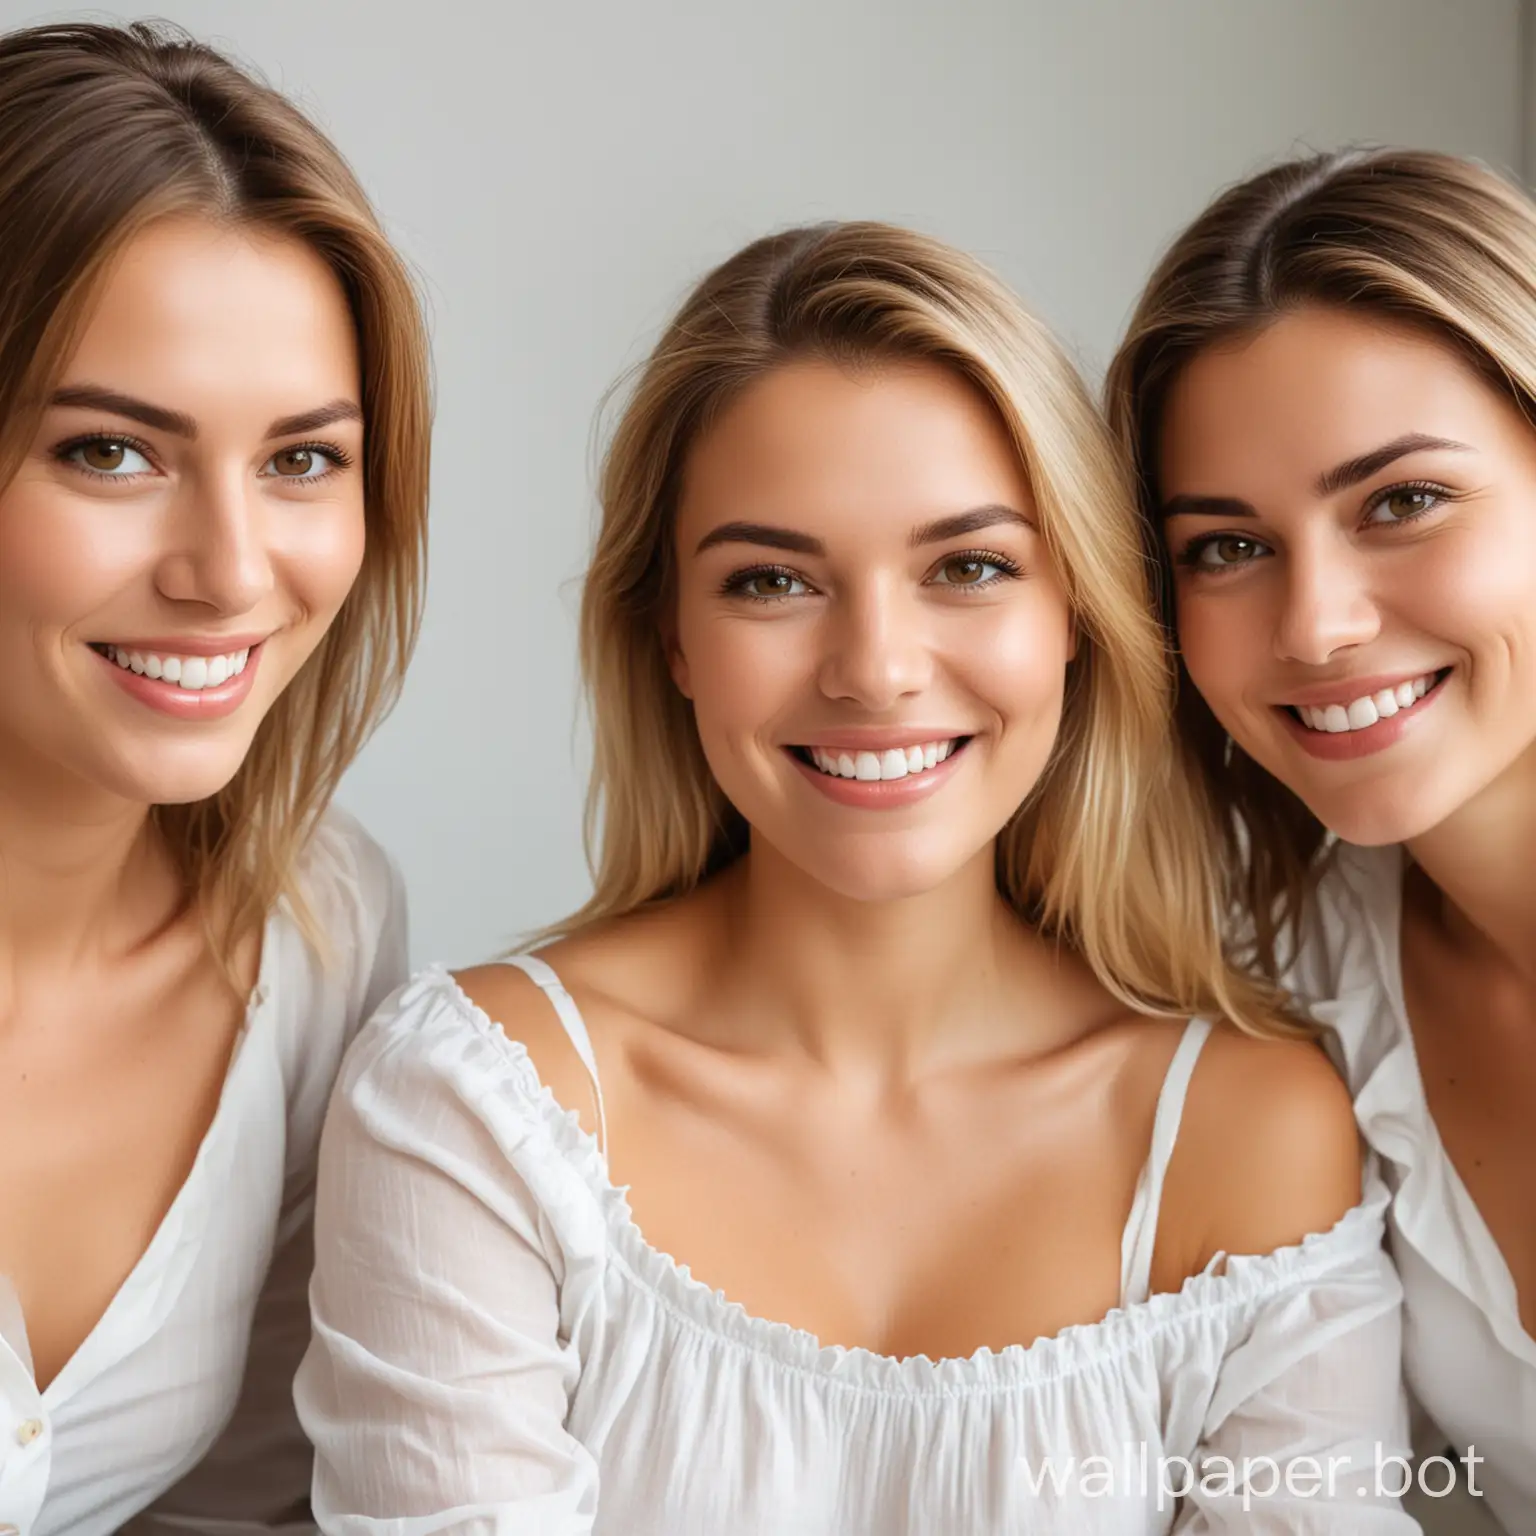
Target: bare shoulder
[(624, 976), (1267, 1153), (520, 1009)]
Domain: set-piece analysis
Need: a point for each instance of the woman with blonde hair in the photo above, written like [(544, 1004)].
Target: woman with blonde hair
[(1330, 389), (826, 1173), (214, 426)]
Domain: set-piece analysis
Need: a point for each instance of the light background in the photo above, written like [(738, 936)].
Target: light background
[(560, 172)]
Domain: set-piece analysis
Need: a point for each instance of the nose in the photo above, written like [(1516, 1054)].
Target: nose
[(215, 551), (878, 650), (1329, 606)]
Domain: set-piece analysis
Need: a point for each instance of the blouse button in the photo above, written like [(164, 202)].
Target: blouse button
[(26, 1432)]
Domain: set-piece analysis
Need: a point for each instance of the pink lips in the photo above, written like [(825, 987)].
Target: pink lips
[(1344, 746), (185, 703), (880, 794)]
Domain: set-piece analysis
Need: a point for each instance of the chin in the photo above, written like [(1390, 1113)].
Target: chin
[(886, 874), (173, 778), (1376, 823)]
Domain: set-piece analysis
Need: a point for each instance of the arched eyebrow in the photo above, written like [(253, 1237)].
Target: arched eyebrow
[(1329, 483), (97, 398), (770, 536)]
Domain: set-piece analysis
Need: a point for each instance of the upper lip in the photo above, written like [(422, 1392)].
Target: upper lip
[(876, 738), (1348, 689), (190, 645)]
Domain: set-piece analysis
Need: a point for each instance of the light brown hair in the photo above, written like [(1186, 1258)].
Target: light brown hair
[(104, 130), (1105, 852), (1427, 240)]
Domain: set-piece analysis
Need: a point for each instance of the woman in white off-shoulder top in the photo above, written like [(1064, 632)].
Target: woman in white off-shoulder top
[(852, 1164), (1329, 386), (213, 425)]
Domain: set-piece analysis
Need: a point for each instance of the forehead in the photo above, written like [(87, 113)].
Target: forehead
[(1311, 390), (812, 440), (209, 314)]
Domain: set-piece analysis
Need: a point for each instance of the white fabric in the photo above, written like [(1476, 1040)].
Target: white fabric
[(1138, 1243), (145, 1398), (1469, 1362), (499, 1352)]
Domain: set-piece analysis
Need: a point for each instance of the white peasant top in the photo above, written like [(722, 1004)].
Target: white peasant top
[(499, 1351), (179, 1399), (1469, 1363)]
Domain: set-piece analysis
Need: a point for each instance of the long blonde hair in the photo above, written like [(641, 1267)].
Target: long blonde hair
[(1423, 239), (104, 130), (1106, 852)]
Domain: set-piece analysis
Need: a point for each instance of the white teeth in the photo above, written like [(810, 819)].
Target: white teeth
[(193, 673), (1362, 713), (873, 767)]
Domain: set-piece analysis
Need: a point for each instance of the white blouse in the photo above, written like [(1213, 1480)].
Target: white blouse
[(498, 1351), (1470, 1364), (143, 1401)]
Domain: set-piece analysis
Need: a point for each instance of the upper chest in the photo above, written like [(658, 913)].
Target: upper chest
[(110, 1087), (1474, 1038), (988, 1215)]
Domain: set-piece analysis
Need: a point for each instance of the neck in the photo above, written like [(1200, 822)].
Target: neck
[(886, 990), (81, 874), (1482, 860)]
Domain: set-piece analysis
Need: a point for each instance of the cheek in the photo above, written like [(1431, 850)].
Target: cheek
[(60, 562), (1015, 655), (321, 556), (1222, 641), (1474, 588), (741, 672)]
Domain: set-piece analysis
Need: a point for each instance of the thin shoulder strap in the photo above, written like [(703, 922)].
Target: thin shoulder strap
[(1140, 1236), (574, 1025)]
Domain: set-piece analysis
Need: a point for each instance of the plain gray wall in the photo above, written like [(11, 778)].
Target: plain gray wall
[(559, 173)]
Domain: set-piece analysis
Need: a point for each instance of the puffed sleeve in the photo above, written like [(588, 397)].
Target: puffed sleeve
[(437, 1383), (255, 1480), (1309, 1408)]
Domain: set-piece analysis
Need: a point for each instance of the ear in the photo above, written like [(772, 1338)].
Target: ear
[(677, 662)]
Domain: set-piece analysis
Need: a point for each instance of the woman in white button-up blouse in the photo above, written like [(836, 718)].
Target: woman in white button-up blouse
[(1330, 386), (213, 464)]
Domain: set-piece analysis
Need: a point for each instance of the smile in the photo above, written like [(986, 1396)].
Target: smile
[(1369, 709), (870, 767), (192, 673)]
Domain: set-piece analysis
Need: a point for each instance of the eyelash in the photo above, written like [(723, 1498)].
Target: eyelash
[(339, 457), (1189, 556), (736, 584)]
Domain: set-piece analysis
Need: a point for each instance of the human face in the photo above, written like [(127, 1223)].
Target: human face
[(868, 622), (188, 518), (1351, 513)]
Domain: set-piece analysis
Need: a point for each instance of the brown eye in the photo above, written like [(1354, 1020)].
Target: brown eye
[(965, 573), (771, 584), (1227, 549), (1404, 502), (295, 463), (107, 457), (104, 457)]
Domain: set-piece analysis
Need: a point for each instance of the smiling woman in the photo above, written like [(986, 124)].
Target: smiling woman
[(1330, 390), (875, 1153), (213, 467)]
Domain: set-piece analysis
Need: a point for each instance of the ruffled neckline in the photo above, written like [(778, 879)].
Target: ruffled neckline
[(1229, 1282), (1392, 1106)]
